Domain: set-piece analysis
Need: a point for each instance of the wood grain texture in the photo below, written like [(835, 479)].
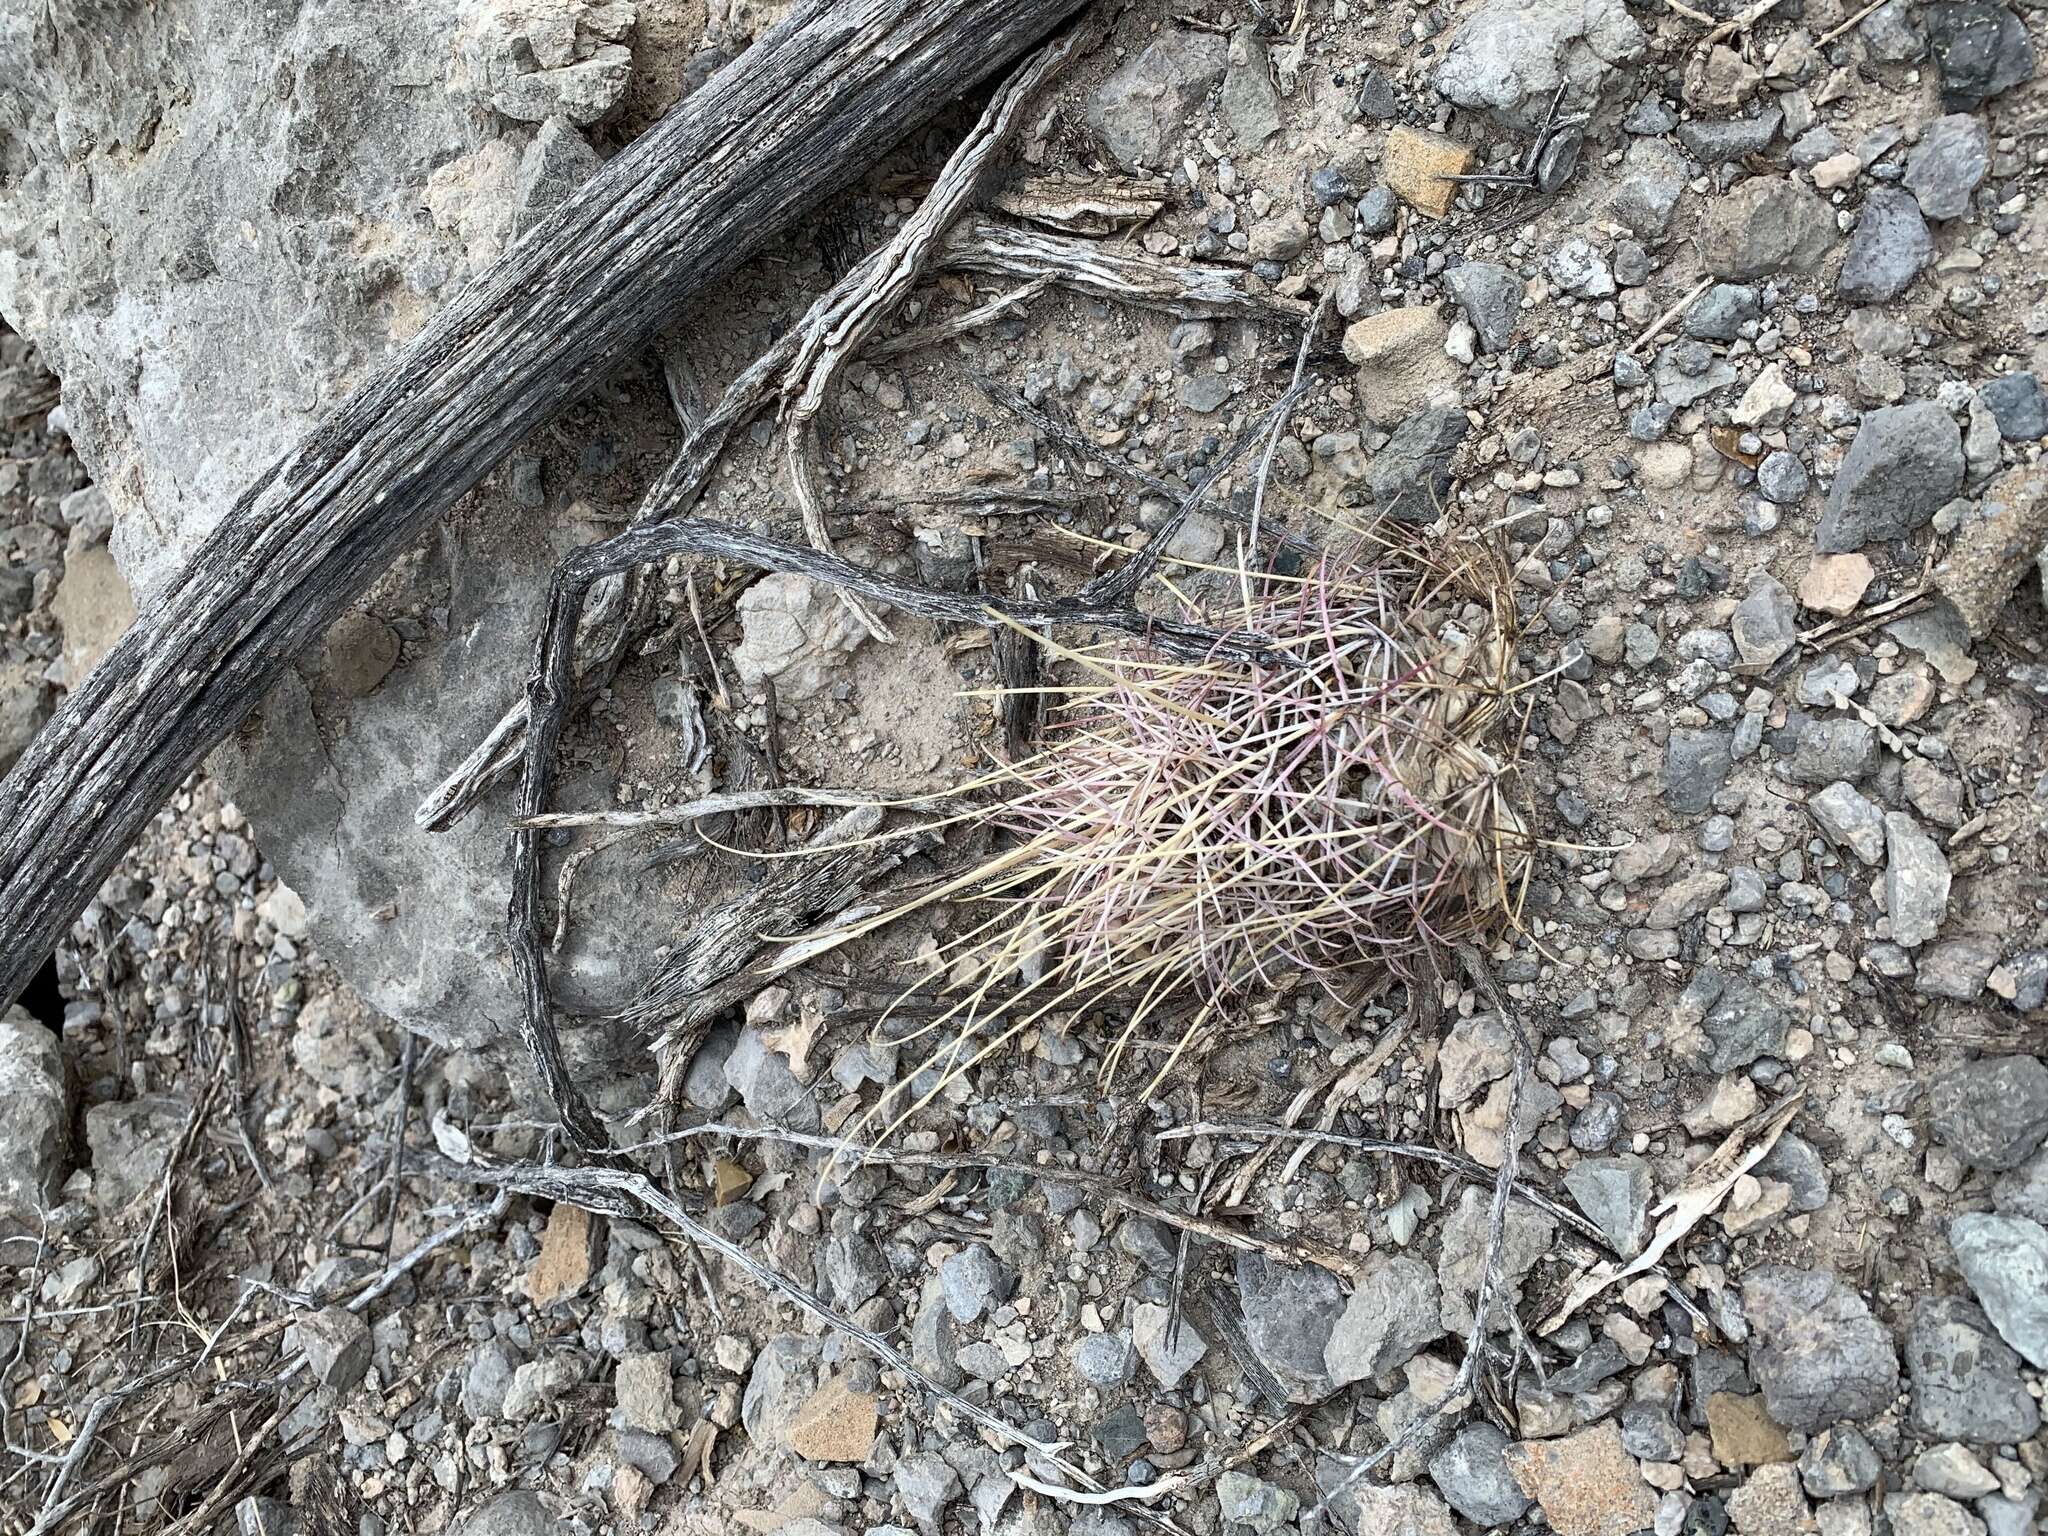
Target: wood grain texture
[(794, 120)]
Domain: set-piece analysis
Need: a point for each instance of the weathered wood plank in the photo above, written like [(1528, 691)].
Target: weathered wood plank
[(790, 123)]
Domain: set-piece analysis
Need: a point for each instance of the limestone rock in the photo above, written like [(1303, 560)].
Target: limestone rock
[(131, 1142), (1916, 881), (1509, 58), (2005, 1259), (2000, 537), (1391, 1315), (1399, 354), (93, 606), (795, 633), (35, 1128), (259, 203)]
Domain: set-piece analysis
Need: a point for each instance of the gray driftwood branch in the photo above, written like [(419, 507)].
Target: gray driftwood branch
[(791, 122)]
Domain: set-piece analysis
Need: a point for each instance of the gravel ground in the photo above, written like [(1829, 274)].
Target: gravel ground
[(1748, 387)]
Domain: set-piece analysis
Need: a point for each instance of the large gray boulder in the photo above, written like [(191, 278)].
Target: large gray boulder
[(216, 218)]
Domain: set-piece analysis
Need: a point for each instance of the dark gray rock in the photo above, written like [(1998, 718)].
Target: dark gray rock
[(1250, 104), (935, 1337), (762, 1078), (1838, 1462), (2024, 1190), (1653, 177), (784, 1376), (1599, 1363), (1952, 157), (337, 1346), (1378, 210), (652, 1454), (1696, 763), (1816, 1351), (2005, 1259), (1980, 49), (1887, 250), (1837, 748), (1472, 1474), (1764, 623), (2010, 1517), (1781, 478), (1689, 370), (1722, 311), (926, 1483), (1255, 1504), (1527, 1238), (514, 1513), (1893, 33), (487, 1378), (1141, 110), (554, 165), (1992, 1112), (2018, 406), (1649, 116), (1740, 1024), (1491, 296), (1849, 821), (1205, 393), (974, 1282), (1957, 968), (1765, 226), (131, 1142), (1716, 141), (1595, 1127), (1411, 475), (1392, 1314), (1289, 1315), (1105, 1359), (853, 1267), (1329, 186), (1614, 1192), (1905, 464), (1796, 1163), (1965, 1380), (1650, 1433), (1377, 97)]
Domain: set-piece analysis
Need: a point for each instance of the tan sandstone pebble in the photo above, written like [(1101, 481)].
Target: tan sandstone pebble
[(1415, 163), (1835, 584), (1745, 1434), (1399, 354), (835, 1423), (1587, 1484), (1770, 1503), (566, 1250)]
